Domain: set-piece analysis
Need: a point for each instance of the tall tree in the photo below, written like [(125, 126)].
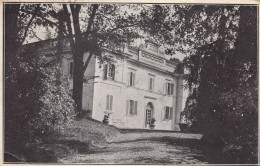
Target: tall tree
[(36, 97), (221, 47), (223, 71), (89, 28)]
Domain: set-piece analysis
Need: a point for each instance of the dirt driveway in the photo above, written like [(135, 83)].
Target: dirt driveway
[(143, 148)]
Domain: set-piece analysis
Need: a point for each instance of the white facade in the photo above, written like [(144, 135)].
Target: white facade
[(140, 85)]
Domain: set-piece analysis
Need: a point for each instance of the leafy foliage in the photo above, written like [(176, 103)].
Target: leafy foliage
[(39, 102), (220, 44), (90, 27), (36, 93), (227, 89)]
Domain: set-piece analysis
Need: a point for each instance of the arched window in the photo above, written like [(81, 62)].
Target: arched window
[(148, 114)]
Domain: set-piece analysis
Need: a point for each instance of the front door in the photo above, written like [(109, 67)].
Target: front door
[(148, 118)]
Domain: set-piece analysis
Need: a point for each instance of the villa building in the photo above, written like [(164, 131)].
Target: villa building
[(138, 85)]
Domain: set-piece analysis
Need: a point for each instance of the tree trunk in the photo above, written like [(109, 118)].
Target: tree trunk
[(78, 53), (13, 115), (78, 79), (11, 35), (11, 61)]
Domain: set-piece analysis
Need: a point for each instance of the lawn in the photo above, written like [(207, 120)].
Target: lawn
[(74, 137), (90, 141)]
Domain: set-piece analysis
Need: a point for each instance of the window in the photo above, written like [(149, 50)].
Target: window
[(132, 78), (71, 65), (169, 88), (109, 102), (109, 71), (151, 83), (167, 113), (131, 107)]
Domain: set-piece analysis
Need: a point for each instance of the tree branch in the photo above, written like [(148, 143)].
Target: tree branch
[(126, 26), (78, 7), (109, 19), (22, 17), (29, 23), (91, 20), (68, 21), (87, 62), (49, 21), (77, 33), (114, 29), (75, 15), (72, 8)]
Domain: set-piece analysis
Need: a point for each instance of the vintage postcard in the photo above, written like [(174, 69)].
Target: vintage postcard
[(126, 82)]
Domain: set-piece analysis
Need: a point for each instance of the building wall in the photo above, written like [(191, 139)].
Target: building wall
[(146, 60), (95, 90), (121, 92), (88, 86)]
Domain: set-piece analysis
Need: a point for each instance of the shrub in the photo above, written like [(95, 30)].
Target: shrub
[(36, 98)]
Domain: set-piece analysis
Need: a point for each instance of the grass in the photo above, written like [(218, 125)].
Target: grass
[(88, 136), (88, 131), (78, 136)]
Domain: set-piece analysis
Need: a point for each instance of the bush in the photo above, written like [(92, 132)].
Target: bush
[(37, 99), (240, 119)]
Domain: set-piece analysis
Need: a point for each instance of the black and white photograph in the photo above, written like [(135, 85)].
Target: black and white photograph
[(130, 83)]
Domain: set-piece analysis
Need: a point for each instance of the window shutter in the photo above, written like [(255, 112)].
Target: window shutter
[(172, 87), (107, 107), (105, 71), (111, 102), (127, 107), (113, 71), (135, 110), (150, 84), (166, 116), (162, 114), (131, 108), (166, 88), (169, 88), (171, 112), (128, 78), (133, 79)]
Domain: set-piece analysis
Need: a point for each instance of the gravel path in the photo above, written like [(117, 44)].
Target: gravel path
[(143, 148)]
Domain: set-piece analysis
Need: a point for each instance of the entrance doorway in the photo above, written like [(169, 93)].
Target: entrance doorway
[(148, 114)]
